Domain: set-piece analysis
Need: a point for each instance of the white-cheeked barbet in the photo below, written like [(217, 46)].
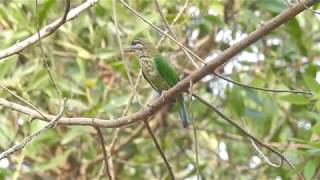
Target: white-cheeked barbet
[(158, 72)]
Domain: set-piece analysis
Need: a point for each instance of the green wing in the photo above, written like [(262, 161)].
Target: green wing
[(166, 71)]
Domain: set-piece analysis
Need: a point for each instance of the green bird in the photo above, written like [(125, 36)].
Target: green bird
[(157, 71)]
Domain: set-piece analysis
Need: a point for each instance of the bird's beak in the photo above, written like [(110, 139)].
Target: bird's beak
[(129, 49)]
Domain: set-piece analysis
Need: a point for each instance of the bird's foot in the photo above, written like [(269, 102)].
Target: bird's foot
[(147, 106), (162, 95)]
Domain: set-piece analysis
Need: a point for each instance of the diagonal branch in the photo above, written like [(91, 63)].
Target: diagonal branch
[(166, 162), (62, 21), (247, 134), (104, 152), (162, 32), (47, 30), (183, 85), (172, 33), (28, 139), (260, 88)]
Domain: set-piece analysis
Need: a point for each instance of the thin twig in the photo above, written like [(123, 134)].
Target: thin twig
[(159, 148), (124, 59), (175, 20), (24, 101), (104, 151), (288, 2), (247, 134), (262, 89), (29, 138), (172, 33), (46, 31), (196, 150), (126, 110), (62, 21), (242, 130), (162, 32), (19, 165), (258, 150), (194, 131), (307, 7), (125, 62)]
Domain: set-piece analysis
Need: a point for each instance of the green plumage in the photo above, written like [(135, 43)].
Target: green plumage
[(158, 72)]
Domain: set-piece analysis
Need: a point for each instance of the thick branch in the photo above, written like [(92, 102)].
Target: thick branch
[(183, 84), (47, 30)]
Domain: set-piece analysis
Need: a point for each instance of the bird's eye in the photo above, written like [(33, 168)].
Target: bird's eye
[(135, 42)]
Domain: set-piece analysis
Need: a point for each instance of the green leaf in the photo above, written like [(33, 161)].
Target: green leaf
[(54, 162), (275, 6), (316, 128), (6, 67), (43, 13), (236, 101), (295, 99), (312, 84), (40, 80), (309, 169), (74, 133), (313, 115)]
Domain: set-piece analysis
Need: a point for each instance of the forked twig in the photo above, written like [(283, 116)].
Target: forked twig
[(251, 137), (242, 130), (46, 31), (29, 138)]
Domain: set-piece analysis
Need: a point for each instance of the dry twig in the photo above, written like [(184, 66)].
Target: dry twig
[(46, 31), (28, 139)]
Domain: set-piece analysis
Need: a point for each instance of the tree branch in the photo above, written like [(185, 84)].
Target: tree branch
[(47, 30), (260, 88), (163, 156), (104, 152), (247, 134), (28, 139)]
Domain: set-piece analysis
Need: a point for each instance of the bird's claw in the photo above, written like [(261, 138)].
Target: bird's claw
[(149, 106), (162, 95)]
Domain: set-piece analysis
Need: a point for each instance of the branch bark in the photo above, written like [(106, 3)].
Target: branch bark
[(47, 30)]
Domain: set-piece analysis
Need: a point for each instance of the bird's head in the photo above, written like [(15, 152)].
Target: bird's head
[(141, 47)]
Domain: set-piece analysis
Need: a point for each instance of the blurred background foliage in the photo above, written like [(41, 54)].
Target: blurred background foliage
[(85, 60)]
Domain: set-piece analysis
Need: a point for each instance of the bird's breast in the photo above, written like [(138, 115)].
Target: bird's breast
[(147, 65), (149, 69)]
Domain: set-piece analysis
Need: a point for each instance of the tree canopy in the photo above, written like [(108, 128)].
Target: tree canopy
[(269, 90)]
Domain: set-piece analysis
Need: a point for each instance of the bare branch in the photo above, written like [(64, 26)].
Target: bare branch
[(104, 152), (63, 19), (28, 139), (245, 132), (262, 89), (124, 59), (166, 162), (162, 32), (174, 20), (307, 7), (24, 101), (47, 30), (172, 33)]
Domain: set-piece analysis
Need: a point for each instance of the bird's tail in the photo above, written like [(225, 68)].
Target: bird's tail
[(183, 111)]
